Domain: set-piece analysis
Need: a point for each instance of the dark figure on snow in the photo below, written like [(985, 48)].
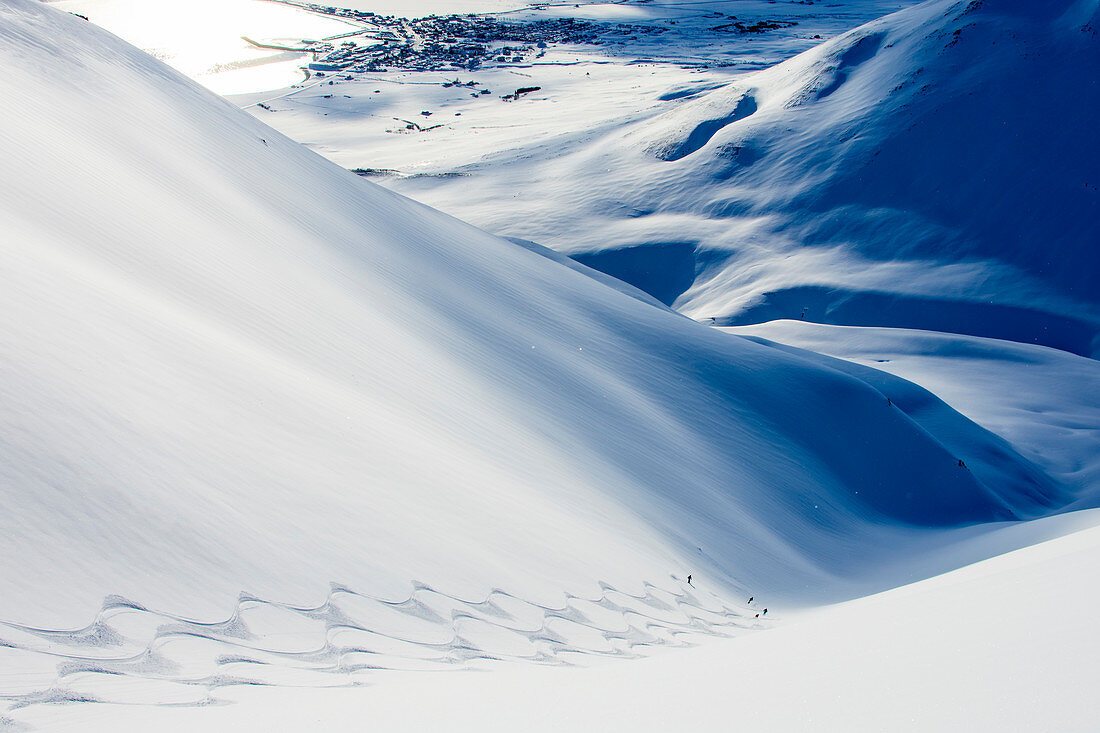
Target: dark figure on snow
[(765, 612), (961, 464), (750, 598), (689, 581)]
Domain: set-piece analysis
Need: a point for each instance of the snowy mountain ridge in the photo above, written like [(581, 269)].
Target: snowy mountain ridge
[(932, 169)]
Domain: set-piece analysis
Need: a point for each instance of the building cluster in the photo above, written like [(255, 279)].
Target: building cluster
[(455, 41)]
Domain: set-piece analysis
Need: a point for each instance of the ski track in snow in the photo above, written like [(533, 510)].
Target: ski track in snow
[(134, 655)]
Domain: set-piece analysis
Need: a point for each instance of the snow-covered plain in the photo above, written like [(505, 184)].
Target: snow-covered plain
[(267, 424)]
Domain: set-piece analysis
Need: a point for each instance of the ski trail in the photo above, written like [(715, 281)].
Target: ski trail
[(134, 655)]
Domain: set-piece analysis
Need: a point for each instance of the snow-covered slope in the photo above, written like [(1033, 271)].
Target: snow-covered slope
[(230, 365), (933, 169), (275, 423), (1045, 402), (954, 134), (1007, 644)]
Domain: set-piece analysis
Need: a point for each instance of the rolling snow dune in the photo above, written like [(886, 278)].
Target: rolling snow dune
[(934, 169), (231, 366)]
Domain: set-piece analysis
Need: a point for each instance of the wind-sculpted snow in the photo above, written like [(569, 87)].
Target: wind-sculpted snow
[(704, 132), (134, 655)]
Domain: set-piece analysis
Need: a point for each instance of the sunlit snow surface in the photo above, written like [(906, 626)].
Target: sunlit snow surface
[(267, 424)]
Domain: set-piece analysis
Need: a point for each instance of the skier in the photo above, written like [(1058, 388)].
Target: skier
[(689, 581), (750, 598)]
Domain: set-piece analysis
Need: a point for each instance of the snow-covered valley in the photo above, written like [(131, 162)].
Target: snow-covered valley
[(794, 299)]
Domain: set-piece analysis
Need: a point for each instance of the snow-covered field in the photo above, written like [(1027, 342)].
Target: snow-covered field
[(274, 435)]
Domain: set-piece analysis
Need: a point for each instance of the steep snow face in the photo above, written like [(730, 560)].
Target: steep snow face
[(933, 169), (230, 365)]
